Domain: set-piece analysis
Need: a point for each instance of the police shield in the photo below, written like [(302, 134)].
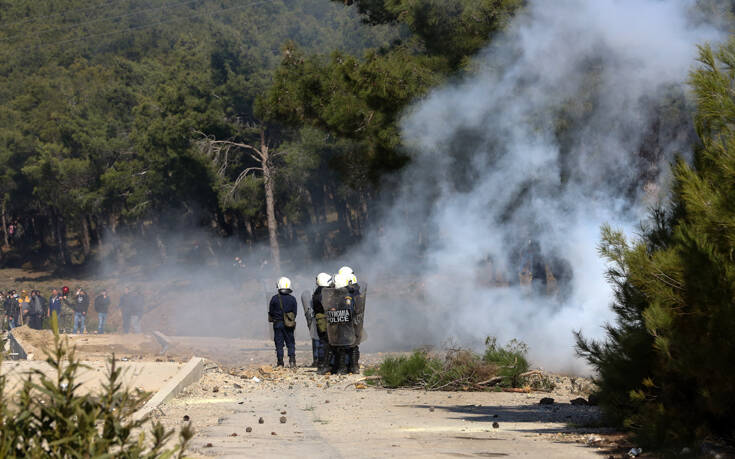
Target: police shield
[(340, 317), (309, 314), (360, 314)]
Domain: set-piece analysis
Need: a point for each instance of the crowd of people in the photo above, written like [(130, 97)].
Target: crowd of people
[(30, 307), (334, 315)]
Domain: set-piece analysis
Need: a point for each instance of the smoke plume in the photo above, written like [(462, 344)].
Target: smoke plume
[(568, 121)]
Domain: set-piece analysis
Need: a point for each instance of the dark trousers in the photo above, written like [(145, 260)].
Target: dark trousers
[(282, 334), (35, 321), (317, 350)]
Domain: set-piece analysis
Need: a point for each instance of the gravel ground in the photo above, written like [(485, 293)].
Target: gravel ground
[(307, 415)]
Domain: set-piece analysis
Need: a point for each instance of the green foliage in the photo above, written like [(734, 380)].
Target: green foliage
[(665, 370), (457, 369), (510, 360), (49, 418), (102, 105), (407, 371)]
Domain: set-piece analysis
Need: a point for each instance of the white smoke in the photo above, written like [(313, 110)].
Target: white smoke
[(489, 172)]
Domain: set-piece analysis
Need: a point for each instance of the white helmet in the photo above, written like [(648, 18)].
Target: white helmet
[(323, 279), (345, 270), (284, 283), (351, 279), (341, 280)]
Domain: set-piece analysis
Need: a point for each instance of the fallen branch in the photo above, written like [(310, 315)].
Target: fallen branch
[(531, 373), (490, 382), (367, 378)]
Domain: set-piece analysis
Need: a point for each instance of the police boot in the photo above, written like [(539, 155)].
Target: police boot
[(355, 363), (292, 362), (342, 358), (324, 366), (280, 362)]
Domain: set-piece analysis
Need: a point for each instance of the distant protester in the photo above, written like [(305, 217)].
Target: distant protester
[(80, 306), (36, 311), (136, 311), (126, 305), (54, 304), (101, 307)]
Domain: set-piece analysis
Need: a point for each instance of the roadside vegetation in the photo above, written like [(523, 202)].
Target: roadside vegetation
[(461, 369), (50, 418), (666, 369)]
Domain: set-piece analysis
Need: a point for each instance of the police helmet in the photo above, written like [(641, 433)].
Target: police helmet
[(323, 280), (345, 270), (341, 280), (284, 283)]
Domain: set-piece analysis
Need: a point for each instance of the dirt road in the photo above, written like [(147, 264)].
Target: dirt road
[(327, 416), (332, 416)]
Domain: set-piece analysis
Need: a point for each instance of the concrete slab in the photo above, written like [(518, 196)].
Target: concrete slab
[(148, 376), (188, 374)]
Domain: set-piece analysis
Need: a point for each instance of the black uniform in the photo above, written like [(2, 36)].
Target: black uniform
[(280, 304), (353, 359), (35, 312), (325, 359)]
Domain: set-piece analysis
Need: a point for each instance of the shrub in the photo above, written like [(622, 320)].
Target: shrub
[(511, 361), (456, 369), (50, 418), (666, 367), (406, 371)]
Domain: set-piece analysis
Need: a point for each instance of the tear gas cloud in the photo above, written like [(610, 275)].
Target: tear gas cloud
[(495, 164), (490, 172)]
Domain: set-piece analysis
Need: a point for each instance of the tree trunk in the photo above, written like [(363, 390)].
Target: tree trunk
[(61, 240), (270, 207), (86, 239), (5, 226)]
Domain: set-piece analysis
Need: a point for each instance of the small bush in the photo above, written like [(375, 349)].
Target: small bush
[(50, 419), (457, 369), (510, 360), (405, 371)]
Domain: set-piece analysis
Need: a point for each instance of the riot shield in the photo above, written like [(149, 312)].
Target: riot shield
[(309, 314), (360, 314), (340, 323)]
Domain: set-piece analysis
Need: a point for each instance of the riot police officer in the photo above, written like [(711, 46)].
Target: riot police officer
[(323, 280), (282, 313), (341, 324)]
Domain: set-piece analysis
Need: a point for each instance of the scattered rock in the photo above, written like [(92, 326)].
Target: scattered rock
[(266, 369), (208, 445), (261, 421), (186, 418), (360, 386), (546, 401), (248, 429), (496, 425), (283, 419), (579, 401), (634, 452), (326, 401), (593, 439), (233, 434), (431, 408), (283, 412), (240, 403), (273, 433), (215, 389), (237, 386)]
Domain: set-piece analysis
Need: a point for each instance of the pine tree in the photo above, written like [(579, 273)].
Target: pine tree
[(666, 369)]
